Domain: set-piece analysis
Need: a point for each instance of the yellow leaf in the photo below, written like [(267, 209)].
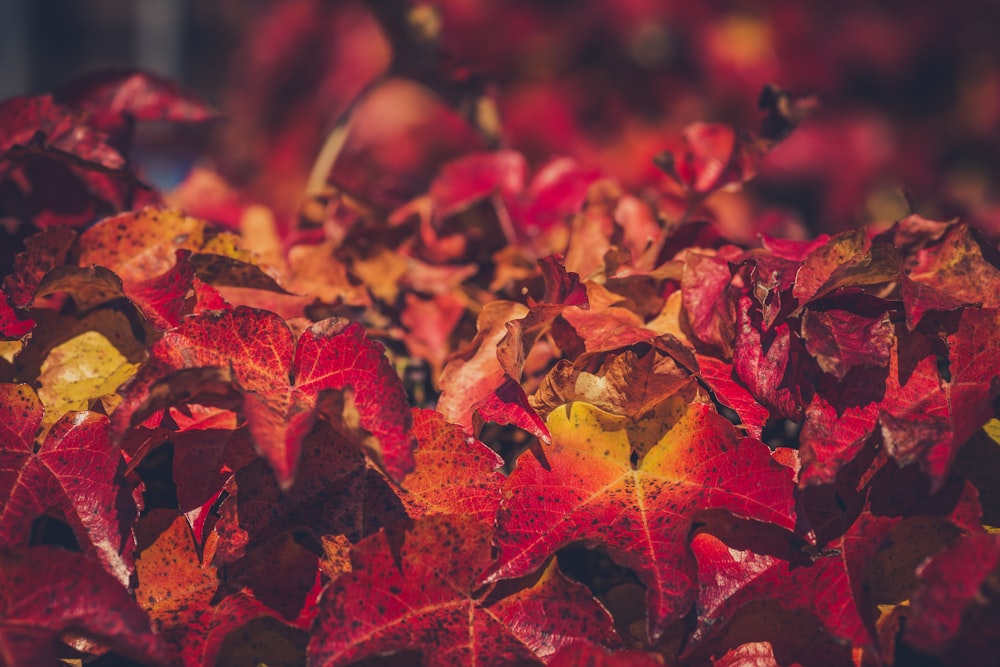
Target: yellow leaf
[(992, 429), (83, 369)]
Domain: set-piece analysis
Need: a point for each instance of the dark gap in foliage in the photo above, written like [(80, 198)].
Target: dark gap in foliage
[(507, 441), (156, 471), (594, 568), (781, 433), (51, 531)]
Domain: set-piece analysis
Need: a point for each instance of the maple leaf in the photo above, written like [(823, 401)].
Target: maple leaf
[(279, 382), (417, 590), (76, 473), (48, 593), (589, 491)]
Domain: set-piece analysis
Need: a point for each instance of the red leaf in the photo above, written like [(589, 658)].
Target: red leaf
[(475, 177), (767, 567), (76, 474), (454, 473), (38, 121), (840, 340), (418, 590), (509, 405), (179, 594), (164, 298), (586, 654), (765, 362), (208, 447), (112, 98), (713, 158), (588, 490), (839, 421), (278, 384), (756, 654), (950, 275), (43, 252), (709, 301), (47, 593), (334, 494), (847, 259), (473, 373), (12, 327), (952, 584), (718, 375), (915, 416)]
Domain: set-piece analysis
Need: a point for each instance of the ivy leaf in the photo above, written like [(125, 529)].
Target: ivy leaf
[(951, 601), (77, 474), (43, 252), (847, 259), (417, 590), (278, 382), (950, 275), (714, 157), (840, 340), (588, 490), (864, 555), (113, 97), (709, 301), (587, 654), (334, 494), (453, 473), (48, 593), (179, 594), (38, 121)]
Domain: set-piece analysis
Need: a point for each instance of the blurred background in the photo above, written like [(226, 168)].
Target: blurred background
[(908, 90)]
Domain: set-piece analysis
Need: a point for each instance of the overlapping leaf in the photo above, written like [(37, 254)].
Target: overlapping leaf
[(588, 490), (418, 591), (47, 593), (179, 594), (278, 382), (75, 475), (867, 560)]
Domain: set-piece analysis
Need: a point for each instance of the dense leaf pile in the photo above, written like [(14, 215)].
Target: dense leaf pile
[(526, 417)]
